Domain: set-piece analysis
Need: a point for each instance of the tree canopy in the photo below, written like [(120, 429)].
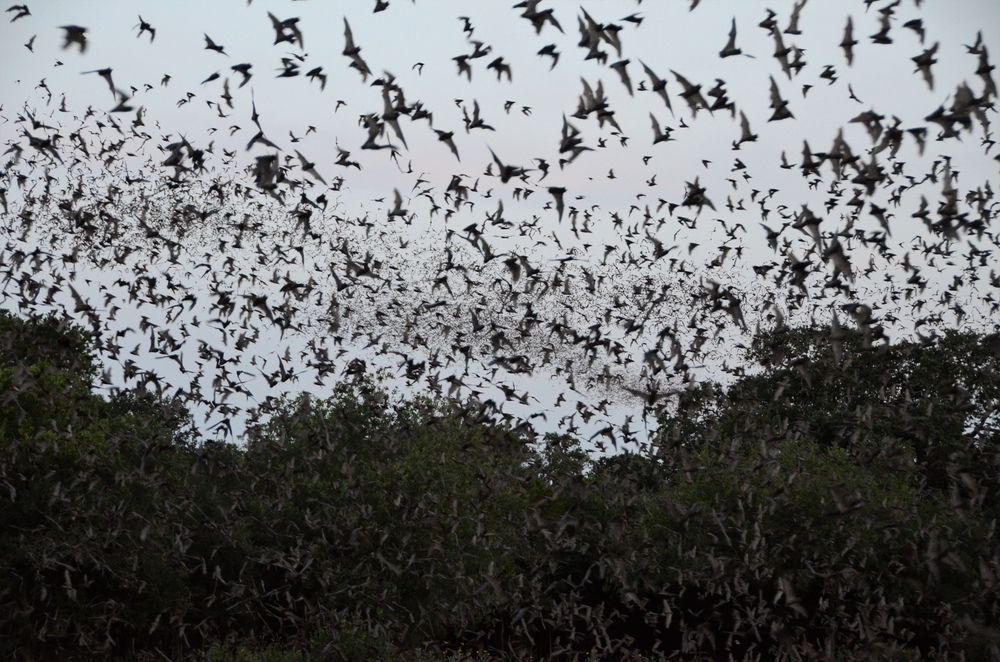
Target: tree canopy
[(840, 503)]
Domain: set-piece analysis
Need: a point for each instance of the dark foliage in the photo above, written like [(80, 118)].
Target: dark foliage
[(840, 504)]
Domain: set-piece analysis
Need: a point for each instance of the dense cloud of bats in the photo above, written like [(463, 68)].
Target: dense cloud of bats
[(221, 264), (244, 271)]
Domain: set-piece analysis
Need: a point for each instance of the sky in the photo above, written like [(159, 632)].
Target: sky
[(411, 32), (669, 39)]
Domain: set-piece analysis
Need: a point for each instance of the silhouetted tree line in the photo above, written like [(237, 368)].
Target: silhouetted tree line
[(839, 502)]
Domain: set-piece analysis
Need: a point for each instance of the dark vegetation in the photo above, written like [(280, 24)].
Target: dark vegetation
[(840, 502)]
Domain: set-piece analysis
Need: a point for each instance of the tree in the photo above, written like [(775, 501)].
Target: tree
[(83, 481), (834, 504), (934, 403), (847, 475)]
